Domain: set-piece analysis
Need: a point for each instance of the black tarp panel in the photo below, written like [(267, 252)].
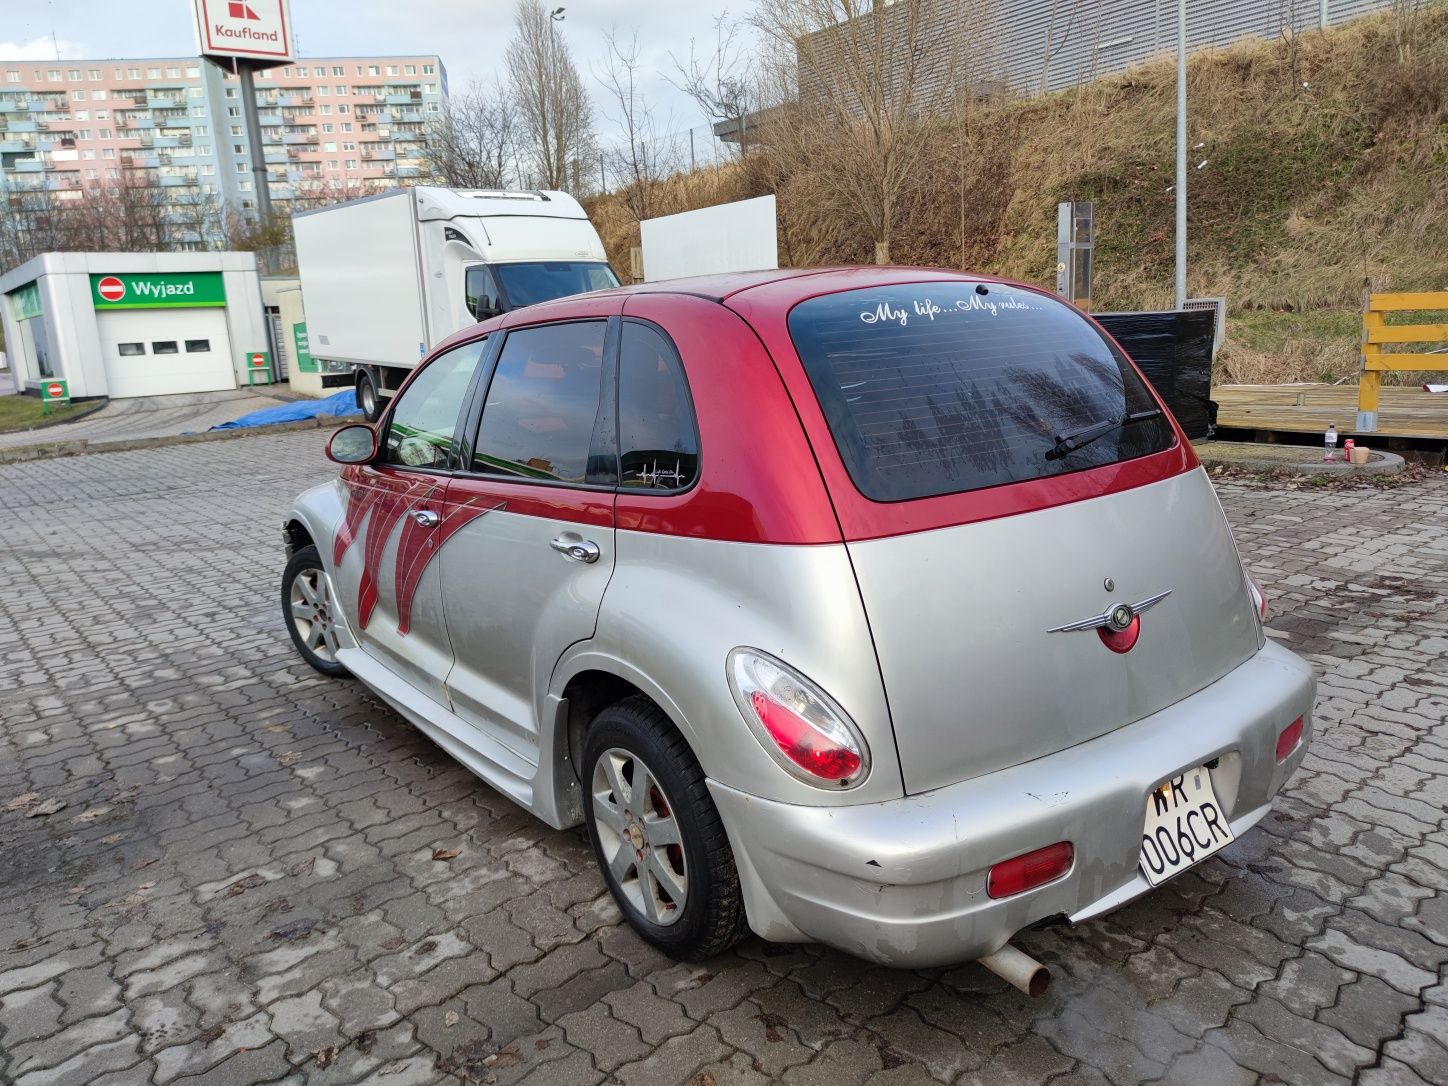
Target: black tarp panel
[(1174, 351)]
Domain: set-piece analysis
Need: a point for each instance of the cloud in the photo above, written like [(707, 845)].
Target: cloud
[(42, 49)]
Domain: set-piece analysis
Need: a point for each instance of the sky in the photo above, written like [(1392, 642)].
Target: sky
[(469, 36)]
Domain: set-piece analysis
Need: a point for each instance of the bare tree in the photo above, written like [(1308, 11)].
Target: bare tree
[(548, 92), (473, 142), (724, 83), (646, 157), (866, 72)]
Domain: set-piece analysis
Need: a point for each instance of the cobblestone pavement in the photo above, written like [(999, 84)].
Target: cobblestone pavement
[(240, 885)]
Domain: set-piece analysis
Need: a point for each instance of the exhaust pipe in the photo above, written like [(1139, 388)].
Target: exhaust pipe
[(1019, 970)]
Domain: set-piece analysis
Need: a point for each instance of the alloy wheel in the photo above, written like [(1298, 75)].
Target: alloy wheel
[(313, 614), (639, 836)]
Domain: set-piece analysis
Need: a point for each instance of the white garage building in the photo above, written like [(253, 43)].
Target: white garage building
[(133, 324)]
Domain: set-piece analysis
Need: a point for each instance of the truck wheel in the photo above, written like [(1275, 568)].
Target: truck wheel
[(367, 397), (656, 835)]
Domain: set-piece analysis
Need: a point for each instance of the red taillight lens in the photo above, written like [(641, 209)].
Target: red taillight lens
[(800, 725), (804, 744), (1022, 873), (1288, 740)]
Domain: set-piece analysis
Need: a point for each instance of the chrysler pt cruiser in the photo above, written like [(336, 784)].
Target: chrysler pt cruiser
[(887, 608)]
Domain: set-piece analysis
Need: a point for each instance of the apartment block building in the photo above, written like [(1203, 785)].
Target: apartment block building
[(332, 127)]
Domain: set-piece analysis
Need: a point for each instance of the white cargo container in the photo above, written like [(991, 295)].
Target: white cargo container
[(738, 236), (387, 277)]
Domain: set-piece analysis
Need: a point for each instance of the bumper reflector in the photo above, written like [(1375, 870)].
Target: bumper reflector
[(1288, 740), (1022, 873)]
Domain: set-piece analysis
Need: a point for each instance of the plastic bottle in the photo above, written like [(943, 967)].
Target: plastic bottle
[(1347, 448), (1329, 441)]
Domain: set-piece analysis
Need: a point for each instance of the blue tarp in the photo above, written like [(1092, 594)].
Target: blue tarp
[(338, 404)]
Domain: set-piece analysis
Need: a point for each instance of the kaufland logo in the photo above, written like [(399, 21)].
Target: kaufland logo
[(243, 12)]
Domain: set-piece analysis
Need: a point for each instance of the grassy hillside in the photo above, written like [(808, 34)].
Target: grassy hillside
[(1326, 170)]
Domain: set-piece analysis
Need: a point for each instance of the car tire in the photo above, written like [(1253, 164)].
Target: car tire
[(636, 734), (310, 611), (369, 400)]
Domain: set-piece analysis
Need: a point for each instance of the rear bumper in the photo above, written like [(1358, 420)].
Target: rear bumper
[(903, 881)]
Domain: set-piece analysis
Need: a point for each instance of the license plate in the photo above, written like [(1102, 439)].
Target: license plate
[(1184, 824)]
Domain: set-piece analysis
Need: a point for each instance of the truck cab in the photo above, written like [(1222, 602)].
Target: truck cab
[(388, 277)]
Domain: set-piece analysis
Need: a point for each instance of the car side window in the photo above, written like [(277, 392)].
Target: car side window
[(658, 439), (542, 403), (421, 425), (479, 286)]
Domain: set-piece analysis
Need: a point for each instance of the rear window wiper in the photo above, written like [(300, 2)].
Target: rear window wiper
[(1069, 443)]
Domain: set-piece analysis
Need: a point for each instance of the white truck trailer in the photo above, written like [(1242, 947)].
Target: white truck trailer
[(386, 277)]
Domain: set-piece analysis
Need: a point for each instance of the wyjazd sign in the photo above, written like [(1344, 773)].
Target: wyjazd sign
[(249, 29), (157, 290)]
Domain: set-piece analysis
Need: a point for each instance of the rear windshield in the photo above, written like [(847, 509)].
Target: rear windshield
[(937, 388)]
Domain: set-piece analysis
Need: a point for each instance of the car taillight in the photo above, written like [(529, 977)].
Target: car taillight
[(1259, 598), (798, 723), (1288, 740), (1022, 873)]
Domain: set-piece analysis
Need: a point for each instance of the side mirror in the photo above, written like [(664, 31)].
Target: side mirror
[(486, 308), (355, 444)]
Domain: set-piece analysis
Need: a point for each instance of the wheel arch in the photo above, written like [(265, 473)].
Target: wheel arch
[(584, 684)]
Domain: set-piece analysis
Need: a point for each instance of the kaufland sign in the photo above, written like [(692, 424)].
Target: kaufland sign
[(246, 29)]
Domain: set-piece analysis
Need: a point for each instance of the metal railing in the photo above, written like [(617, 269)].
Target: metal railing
[(1378, 333)]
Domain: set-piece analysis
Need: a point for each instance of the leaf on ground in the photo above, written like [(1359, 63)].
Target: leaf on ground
[(297, 929), (289, 757), (49, 807), (19, 803), (242, 885), (144, 861), (703, 1078), (446, 853), (302, 867), (92, 813), (211, 1034), (125, 795), (504, 1057), (450, 1019), (327, 1056)]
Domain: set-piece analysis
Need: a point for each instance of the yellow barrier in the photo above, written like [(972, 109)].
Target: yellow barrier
[(1377, 333)]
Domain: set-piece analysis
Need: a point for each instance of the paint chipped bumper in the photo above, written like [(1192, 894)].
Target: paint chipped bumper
[(903, 882)]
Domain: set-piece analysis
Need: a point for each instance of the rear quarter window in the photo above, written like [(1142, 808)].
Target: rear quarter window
[(938, 388)]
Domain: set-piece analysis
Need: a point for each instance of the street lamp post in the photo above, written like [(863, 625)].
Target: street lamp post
[(1181, 157)]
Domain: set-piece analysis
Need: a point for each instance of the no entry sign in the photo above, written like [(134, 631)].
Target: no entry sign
[(111, 289), (55, 390), (256, 360)]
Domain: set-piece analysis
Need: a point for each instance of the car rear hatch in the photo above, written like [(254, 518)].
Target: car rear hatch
[(991, 554)]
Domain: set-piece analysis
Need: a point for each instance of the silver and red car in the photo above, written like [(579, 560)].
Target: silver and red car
[(885, 608)]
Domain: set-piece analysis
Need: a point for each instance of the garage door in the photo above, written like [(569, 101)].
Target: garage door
[(158, 352)]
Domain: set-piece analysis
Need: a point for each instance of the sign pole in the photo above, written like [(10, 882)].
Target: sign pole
[(253, 137)]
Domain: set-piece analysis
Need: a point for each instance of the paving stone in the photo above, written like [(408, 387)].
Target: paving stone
[(196, 752)]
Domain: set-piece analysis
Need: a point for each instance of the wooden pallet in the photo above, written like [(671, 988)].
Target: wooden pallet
[(1405, 411)]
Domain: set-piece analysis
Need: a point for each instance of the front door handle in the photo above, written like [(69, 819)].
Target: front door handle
[(579, 550), (425, 518)]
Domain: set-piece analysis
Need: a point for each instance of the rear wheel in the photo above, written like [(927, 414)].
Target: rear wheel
[(368, 398), (656, 834), (311, 612)]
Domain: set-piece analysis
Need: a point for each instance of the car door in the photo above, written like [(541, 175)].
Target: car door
[(527, 569), (393, 525)]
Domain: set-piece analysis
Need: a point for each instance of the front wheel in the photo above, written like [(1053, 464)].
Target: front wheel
[(311, 612), (656, 834)]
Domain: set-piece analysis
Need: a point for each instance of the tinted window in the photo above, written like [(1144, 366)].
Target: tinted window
[(657, 443), (420, 428), (526, 284), (128, 350), (542, 403), (164, 346), (198, 346), (934, 388)]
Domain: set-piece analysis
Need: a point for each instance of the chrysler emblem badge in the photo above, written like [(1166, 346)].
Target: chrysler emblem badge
[(1118, 617)]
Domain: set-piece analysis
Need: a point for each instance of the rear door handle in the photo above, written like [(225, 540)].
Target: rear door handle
[(579, 550), (425, 518)]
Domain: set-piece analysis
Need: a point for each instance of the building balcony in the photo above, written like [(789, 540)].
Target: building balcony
[(171, 181), (300, 138), (269, 119), (14, 107), (27, 165), (21, 125), (163, 102), (379, 154), (277, 157), (13, 146), (409, 171), (294, 100)]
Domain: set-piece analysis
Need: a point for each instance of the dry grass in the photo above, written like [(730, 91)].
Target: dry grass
[(1309, 195)]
